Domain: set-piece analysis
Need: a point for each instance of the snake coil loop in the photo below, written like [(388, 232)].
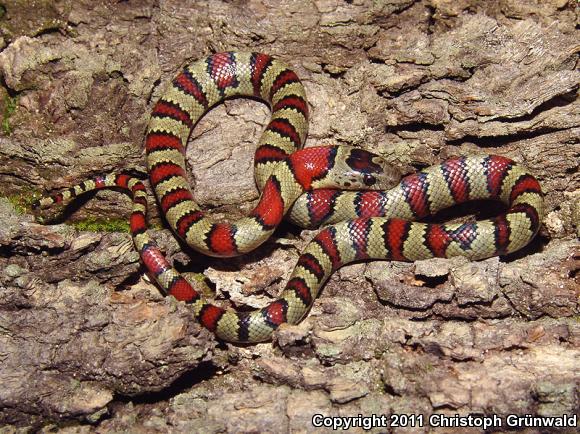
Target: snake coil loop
[(366, 224)]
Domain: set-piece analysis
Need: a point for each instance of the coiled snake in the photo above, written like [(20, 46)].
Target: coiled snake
[(371, 224)]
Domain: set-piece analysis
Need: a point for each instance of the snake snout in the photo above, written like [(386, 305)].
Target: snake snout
[(389, 177), (372, 171)]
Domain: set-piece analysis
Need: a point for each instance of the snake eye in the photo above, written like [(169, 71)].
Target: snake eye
[(369, 179)]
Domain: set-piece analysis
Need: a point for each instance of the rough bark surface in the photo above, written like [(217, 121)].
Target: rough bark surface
[(86, 342)]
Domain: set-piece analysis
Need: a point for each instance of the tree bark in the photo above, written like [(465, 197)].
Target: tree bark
[(86, 341)]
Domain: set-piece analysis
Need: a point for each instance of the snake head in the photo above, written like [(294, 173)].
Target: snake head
[(357, 169)]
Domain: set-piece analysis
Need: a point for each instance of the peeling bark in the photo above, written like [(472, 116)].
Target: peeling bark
[(87, 342)]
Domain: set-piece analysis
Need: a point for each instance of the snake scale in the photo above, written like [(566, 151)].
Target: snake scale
[(367, 224)]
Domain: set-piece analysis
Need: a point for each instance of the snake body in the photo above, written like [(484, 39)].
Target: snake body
[(367, 224)]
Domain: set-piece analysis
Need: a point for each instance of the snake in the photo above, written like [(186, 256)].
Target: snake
[(342, 187)]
